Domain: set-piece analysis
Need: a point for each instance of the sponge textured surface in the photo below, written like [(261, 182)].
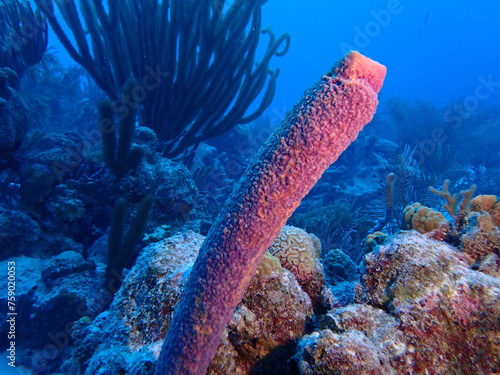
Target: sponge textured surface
[(310, 138)]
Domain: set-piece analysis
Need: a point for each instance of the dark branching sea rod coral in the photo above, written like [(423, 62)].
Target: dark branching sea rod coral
[(194, 60), (310, 138)]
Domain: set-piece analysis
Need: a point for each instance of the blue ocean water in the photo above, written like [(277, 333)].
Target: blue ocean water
[(436, 51), (439, 52)]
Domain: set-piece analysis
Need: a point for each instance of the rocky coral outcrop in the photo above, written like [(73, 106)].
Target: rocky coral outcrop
[(339, 267), (426, 311), (51, 294), (353, 340), (170, 183), (488, 203), (19, 234), (421, 308), (46, 163), (273, 314)]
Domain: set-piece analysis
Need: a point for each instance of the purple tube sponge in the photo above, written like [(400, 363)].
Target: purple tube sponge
[(310, 138)]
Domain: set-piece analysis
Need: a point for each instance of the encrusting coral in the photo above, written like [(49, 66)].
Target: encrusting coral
[(474, 229), (311, 137), (481, 243)]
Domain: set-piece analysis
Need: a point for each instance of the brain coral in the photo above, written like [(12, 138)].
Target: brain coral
[(296, 251)]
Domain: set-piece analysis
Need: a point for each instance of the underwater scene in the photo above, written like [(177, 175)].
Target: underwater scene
[(249, 187)]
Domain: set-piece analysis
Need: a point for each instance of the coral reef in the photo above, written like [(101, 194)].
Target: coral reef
[(62, 198), (168, 53), (48, 162), (170, 183), (64, 206), (273, 313), (23, 42), (413, 174), (175, 195), (312, 136), (14, 124), (353, 340), (51, 294), (427, 311), (418, 304), (420, 307), (474, 229)]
